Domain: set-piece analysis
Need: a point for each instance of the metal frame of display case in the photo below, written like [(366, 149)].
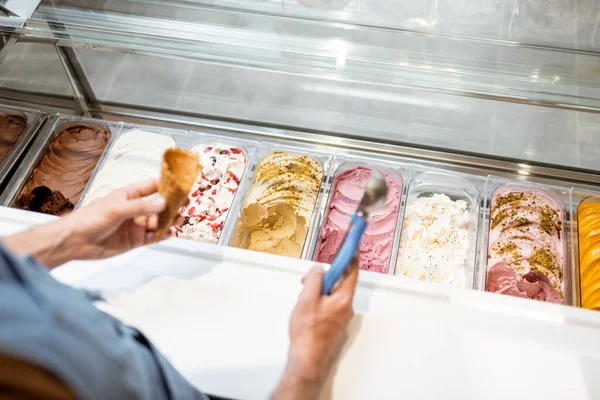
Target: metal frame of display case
[(353, 53), (16, 12), (351, 57), (78, 29), (84, 104)]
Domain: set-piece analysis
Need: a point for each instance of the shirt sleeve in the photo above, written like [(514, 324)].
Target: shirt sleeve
[(56, 328), (175, 385)]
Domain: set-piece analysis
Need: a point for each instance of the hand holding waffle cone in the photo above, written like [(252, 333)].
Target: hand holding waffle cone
[(179, 170)]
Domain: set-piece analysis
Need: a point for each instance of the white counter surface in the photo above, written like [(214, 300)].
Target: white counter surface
[(220, 315)]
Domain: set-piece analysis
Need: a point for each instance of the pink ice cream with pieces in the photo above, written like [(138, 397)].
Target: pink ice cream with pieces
[(526, 252)]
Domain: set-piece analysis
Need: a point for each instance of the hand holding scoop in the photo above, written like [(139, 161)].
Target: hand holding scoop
[(374, 197)]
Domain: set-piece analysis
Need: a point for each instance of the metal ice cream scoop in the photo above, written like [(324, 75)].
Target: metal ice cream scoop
[(375, 194)]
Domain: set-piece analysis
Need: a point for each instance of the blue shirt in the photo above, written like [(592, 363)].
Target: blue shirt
[(57, 328)]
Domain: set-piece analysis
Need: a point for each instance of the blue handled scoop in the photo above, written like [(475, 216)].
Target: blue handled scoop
[(375, 194)]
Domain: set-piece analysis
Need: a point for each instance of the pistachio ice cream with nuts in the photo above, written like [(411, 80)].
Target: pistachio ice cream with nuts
[(279, 204)]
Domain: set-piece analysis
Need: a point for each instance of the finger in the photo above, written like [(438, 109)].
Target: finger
[(141, 221), (152, 223), (149, 237), (141, 207), (142, 189), (179, 220), (347, 285), (303, 280), (313, 281)]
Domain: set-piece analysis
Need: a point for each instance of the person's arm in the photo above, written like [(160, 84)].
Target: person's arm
[(48, 243), (122, 221), (317, 329)]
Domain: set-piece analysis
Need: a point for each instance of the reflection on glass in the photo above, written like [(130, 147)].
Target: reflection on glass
[(325, 4), (562, 15)]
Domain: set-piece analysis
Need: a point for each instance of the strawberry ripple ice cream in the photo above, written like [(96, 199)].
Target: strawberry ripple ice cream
[(376, 245), (213, 192)]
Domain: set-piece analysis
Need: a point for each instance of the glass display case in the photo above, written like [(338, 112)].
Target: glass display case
[(454, 98), (480, 77)]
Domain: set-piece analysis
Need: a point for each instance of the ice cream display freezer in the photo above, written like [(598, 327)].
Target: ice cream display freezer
[(483, 117)]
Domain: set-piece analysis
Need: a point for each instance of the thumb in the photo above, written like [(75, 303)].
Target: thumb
[(349, 281), (313, 281), (141, 207)]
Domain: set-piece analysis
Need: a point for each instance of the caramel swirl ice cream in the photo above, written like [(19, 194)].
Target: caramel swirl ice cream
[(279, 204)]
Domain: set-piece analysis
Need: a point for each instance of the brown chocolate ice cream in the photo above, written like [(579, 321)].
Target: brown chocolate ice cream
[(66, 167), (42, 199), (11, 127)]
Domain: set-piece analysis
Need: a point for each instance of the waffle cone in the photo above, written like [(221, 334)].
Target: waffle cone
[(179, 171)]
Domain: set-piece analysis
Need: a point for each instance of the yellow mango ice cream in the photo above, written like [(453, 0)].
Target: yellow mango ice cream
[(588, 225), (279, 204)]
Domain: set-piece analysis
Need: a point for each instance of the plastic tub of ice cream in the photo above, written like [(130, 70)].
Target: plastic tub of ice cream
[(59, 164), (134, 154), (225, 161), (585, 247), (527, 254), (378, 246), (17, 130), (588, 239), (279, 207), (439, 231)]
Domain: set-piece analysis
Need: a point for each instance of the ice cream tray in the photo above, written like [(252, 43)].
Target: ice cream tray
[(35, 154), (34, 120), (417, 177)]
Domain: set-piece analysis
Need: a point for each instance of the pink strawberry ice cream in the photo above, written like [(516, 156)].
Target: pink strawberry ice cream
[(376, 246), (526, 252)]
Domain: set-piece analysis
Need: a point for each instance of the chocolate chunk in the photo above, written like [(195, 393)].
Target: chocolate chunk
[(43, 199)]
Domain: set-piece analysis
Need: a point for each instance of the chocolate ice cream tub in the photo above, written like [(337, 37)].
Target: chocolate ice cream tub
[(379, 244), (526, 233), (18, 127), (59, 164)]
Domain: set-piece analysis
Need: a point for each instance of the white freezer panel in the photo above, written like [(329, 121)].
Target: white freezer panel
[(222, 320), (230, 325)]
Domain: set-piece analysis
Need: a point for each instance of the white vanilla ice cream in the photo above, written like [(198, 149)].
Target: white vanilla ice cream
[(434, 243), (135, 156)]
